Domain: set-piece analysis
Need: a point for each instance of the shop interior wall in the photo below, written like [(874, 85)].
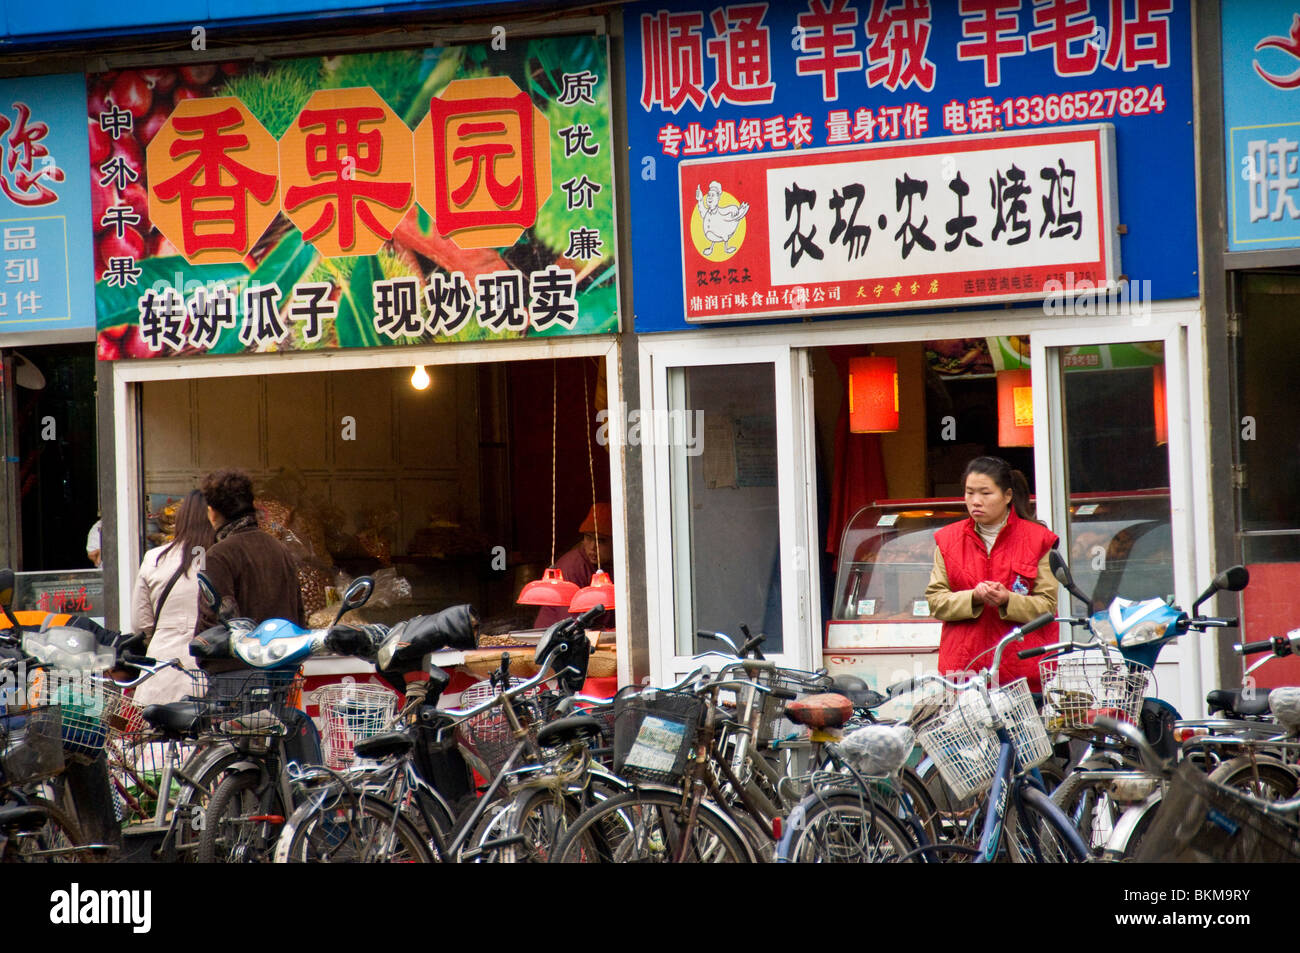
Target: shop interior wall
[(404, 452)]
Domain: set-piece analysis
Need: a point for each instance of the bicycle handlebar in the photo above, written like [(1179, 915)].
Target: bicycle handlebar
[(514, 692), (1151, 762)]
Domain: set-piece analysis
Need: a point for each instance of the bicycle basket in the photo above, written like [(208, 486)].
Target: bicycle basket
[(91, 707), (1200, 821), (350, 713), (964, 747), (486, 737), (232, 696), (31, 745), (654, 734), (1080, 687)]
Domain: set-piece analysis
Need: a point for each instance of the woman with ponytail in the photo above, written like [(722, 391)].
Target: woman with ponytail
[(991, 573)]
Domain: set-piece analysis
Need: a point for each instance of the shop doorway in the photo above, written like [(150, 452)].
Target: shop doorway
[(445, 492)]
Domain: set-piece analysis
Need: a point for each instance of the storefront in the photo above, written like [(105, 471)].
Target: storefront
[(967, 197), (385, 284), (49, 494), (1250, 147)]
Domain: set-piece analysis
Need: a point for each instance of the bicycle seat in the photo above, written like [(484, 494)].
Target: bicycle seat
[(564, 730), (22, 817), (175, 718), (856, 690), (825, 710), (1231, 702), (384, 745)]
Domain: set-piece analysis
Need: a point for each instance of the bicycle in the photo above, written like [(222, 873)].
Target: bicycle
[(990, 739)]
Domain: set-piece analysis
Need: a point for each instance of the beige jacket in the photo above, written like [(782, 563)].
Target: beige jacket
[(949, 606)]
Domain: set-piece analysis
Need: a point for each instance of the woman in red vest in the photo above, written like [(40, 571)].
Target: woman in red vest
[(991, 572)]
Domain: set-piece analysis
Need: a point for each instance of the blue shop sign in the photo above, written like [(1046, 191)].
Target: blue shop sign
[(730, 82), (1261, 113), (45, 231)]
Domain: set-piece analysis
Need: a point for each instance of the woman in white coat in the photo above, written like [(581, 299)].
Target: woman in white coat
[(165, 602)]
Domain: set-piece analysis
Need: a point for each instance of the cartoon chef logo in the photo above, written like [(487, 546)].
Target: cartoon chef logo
[(718, 223), (1287, 44)]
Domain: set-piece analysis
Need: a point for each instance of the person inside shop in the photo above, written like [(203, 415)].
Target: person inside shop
[(94, 544), (594, 550), (165, 601), (251, 567), (990, 573)]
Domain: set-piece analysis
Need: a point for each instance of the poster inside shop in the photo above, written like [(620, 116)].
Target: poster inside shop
[(1261, 110), (890, 88), (45, 253), (399, 197)]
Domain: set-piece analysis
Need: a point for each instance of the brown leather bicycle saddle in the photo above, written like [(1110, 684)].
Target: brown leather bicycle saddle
[(825, 710)]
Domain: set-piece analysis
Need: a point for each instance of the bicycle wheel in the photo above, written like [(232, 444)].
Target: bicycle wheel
[(335, 828), (648, 827), (1268, 780), (230, 835), (54, 842), (1036, 832), (847, 827), (200, 775), (1089, 808)]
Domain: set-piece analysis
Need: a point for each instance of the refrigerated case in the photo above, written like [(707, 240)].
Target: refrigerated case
[(880, 627)]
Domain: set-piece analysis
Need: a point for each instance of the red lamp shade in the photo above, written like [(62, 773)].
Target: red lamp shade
[(1015, 409), (599, 593), (1161, 407), (873, 394), (550, 590)]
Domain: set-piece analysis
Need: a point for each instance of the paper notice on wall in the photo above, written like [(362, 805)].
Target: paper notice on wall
[(719, 457), (756, 450)]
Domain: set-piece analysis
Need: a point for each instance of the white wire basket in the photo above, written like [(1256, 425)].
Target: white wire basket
[(350, 713), (1081, 687), (962, 743)]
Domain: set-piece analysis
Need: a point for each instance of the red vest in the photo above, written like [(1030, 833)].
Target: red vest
[(1014, 559)]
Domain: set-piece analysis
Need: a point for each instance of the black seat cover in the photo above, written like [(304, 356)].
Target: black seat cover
[(856, 690), (179, 718), (566, 729), (452, 628), (384, 745), (1230, 700), (22, 817)]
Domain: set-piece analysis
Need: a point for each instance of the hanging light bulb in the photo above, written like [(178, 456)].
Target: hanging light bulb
[(420, 378)]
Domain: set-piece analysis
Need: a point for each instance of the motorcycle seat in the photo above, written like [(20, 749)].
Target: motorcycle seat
[(384, 745), (563, 730), (175, 718), (1230, 701), (827, 710)]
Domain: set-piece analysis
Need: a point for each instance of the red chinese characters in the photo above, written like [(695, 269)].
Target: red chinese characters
[(672, 52), (1065, 27), (741, 49), (899, 37), (348, 171), (212, 180), (484, 162), (21, 182), (990, 27), (826, 40)]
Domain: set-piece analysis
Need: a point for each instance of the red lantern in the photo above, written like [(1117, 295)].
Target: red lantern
[(873, 394), (600, 591), (1161, 408), (1015, 409), (551, 590)]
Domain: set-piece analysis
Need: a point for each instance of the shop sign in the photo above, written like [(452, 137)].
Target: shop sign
[(45, 253), (1261, 113), (395, 198), (880, 84), (933, 222), (77, 592)]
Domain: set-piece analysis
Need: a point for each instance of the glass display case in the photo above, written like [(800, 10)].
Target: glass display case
[(880, 627)]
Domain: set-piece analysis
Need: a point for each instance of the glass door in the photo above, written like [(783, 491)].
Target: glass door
[(729, 544), (1114, 480)]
